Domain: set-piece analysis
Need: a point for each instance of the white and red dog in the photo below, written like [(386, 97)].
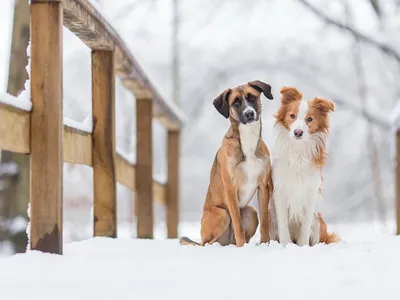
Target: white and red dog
[(298, 157)]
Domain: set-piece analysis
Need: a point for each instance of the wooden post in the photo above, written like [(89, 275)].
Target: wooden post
[(144, 168), (15, 196), (46, 160), (104, 182), (173, 184), (398, 181)]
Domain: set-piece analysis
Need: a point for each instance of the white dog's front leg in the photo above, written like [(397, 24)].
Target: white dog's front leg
[(314, 239), (282, 218), (305, 227)]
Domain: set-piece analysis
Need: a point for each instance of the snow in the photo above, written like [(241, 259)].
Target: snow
[(17, 224), (160, 178), (86, 125), (364, 266), (129, 157), (20, 103), (8, 169)]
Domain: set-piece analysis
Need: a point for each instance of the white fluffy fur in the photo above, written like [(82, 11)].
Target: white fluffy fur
[(296, 185), (300, 121), (252, 166)]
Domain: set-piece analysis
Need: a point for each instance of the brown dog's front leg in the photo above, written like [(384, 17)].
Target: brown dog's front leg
[(263, 200), (231, 200), (234, 211)]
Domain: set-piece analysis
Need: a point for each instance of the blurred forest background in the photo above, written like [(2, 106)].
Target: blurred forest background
[(347, 51)]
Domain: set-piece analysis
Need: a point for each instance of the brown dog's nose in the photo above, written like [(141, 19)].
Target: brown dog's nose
[(249, 115), (298, 133)]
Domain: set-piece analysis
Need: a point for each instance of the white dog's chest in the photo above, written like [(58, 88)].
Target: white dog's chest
[(297, 184)]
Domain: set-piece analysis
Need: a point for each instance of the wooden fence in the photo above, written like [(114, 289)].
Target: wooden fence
[(41, 133)]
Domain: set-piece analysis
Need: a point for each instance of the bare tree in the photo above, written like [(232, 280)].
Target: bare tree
[(371, 143), (352, 30)]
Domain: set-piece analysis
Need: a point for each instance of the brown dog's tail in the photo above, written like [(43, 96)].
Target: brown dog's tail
[(325, 236), (186, 241)]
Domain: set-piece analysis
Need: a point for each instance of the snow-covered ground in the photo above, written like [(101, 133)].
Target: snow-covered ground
[(364, 266)]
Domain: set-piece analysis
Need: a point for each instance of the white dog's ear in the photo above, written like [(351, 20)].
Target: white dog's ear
[(263, 87), (323, 105), (221, 103), (289, 94)]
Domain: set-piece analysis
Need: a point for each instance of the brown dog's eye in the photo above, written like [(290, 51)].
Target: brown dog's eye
[(309, 119), (251, 98), (292, 116), (236, 104)]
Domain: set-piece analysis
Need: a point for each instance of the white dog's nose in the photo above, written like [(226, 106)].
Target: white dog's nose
[(298, 133)]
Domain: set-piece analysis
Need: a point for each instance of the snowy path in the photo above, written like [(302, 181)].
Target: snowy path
[(365, 266)]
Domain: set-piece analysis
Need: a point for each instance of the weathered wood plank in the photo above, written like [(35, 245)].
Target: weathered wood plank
[(103, 152), (79, 17), (159, 192), (14, 129), (172, 200), (77, 146), (126, 173), (46, 160), (144, 168)]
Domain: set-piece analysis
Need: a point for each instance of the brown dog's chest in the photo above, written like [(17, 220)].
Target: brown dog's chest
[(247, 178), (249, 172)]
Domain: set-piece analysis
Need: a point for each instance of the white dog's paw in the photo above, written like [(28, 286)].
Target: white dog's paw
[(303, 241), (284, 239)]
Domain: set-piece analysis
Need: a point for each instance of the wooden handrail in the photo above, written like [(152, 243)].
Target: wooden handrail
[(86, 22), (14, 137), (14, 129)]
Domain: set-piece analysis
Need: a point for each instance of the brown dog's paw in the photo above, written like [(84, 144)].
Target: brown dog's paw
[(240, 242), (264, 236), (265, 240)]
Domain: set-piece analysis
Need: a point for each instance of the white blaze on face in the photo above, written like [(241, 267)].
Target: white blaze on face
[(300, 122), (248, 108)]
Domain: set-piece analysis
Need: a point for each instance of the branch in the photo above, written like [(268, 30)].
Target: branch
[(380, 122), (376, 7), (363, 38)]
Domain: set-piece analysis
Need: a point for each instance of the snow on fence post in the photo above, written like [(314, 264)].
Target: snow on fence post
[(172, 200), (46, 160), (103, 141), (144, 167)]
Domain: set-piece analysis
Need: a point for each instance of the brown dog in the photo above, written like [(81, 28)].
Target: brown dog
[(241, 167)]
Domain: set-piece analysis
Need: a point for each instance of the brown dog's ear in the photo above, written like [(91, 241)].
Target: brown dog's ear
[(262, 87), (323, 105), (221, 103), (290, 94)]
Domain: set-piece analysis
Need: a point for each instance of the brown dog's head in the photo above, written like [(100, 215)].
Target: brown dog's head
[(243, 103)]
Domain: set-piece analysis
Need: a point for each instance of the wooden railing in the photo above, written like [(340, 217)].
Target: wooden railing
[(41, 134)]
